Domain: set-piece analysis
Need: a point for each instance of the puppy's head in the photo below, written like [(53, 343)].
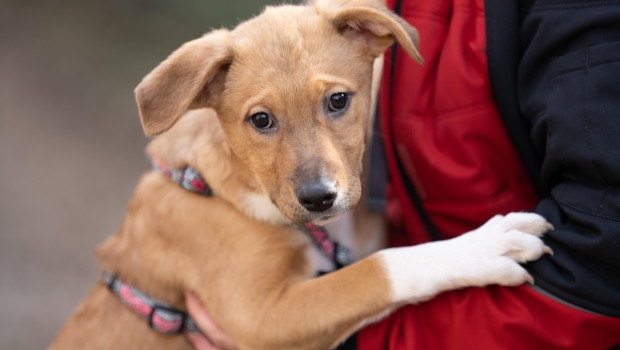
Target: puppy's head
[(291, 88)]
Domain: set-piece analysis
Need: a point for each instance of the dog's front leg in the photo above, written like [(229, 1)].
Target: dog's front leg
[(318, 313), (487, 255)]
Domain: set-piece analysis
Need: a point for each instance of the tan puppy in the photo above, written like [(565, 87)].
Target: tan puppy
[(282, 144)]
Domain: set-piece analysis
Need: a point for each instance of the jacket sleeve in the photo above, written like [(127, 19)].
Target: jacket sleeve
[(569, 94)]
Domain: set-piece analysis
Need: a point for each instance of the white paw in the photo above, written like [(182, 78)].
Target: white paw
[(488, 255), (492, 253), (516, 235)]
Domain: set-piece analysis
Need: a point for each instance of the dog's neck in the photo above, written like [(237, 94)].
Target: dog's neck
[(190, 179), (198, 141)]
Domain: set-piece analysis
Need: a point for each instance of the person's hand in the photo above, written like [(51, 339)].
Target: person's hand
[(214, 338)]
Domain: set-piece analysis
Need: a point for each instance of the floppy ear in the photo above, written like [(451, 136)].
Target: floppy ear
[(372, 24), (191, 77)]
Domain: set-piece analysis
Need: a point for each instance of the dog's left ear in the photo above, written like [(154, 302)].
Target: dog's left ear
[(192, 77), (372, 24)]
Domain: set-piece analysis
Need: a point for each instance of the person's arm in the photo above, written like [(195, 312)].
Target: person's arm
[(569, 93), (214, 337)]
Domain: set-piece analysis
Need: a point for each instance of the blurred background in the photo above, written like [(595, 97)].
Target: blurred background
[(71, 145)]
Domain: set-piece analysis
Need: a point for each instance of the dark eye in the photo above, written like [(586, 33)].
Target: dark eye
[(338, 102), (262, 121)]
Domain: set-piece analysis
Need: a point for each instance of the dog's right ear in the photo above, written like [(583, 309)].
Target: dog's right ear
[(372, 24), (191, 77)]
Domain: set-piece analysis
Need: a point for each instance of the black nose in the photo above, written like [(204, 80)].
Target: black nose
[(316, 197)]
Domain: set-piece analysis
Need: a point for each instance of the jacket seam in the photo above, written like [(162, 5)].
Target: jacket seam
[(598, 215), (571, 70), (567, 5)]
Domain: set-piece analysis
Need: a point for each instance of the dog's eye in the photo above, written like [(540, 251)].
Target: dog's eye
[(338, 102), (262, 121)]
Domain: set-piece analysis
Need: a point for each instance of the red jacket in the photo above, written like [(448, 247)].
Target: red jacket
[(446, 140), (444, 124)]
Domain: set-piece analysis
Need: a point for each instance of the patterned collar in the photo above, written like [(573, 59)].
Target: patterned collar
[(167, 320), (161, 317), (188, 178)]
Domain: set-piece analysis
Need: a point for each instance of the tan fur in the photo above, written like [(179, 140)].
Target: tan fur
[(241, 251)]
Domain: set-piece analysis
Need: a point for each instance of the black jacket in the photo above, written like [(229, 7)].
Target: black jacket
[(555, 71)]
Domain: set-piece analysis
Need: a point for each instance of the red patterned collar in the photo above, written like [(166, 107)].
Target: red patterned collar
[(188, 177), (338, 254), (161, 317)]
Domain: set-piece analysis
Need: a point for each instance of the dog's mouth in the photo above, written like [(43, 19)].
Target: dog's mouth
[(315, 218), (324, 220)]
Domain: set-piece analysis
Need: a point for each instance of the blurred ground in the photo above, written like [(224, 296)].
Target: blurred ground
[(71, 146)]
